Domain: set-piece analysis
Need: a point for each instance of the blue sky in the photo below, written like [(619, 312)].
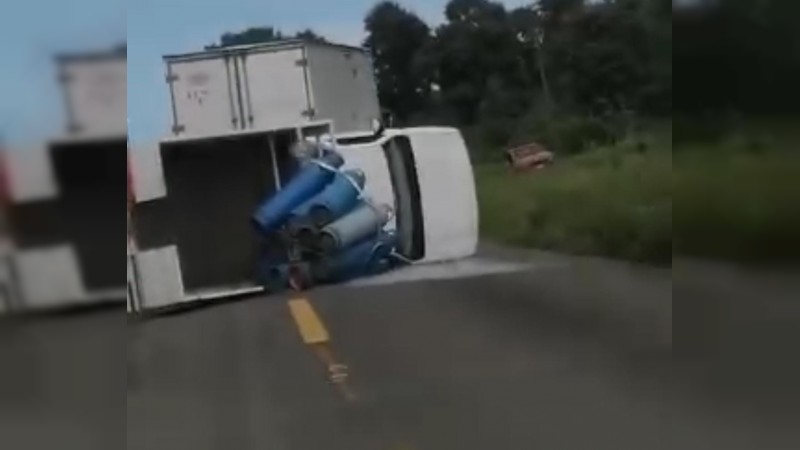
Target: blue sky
[(30, 31), (30, 98)]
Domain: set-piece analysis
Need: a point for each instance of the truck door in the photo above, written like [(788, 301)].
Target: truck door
[(205, 98), (275, 88)]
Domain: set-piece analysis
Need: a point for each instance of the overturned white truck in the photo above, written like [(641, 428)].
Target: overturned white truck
[(236, 113), (191, 232)]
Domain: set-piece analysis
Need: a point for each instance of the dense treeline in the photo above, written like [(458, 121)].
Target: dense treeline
[(255, 35), (739, 55), (486, 62), (572, 72), (589, 57)]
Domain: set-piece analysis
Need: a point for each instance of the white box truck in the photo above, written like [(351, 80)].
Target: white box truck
[(270, 86), (194, 197)]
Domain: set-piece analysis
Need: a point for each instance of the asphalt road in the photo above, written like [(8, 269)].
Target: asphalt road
[(564, 353)]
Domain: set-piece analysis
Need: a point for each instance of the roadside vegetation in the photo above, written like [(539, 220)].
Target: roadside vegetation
[(613, 200), (643, 199), (739, 197)]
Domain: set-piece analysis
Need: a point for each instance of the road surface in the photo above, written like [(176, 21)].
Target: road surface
[(553, 353)]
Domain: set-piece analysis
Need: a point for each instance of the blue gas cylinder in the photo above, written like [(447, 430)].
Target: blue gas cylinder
[(338, 198), (360, 223), (312, 178), (363, 258)]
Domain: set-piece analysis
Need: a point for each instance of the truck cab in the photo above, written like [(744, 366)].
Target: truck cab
[(426, 175)]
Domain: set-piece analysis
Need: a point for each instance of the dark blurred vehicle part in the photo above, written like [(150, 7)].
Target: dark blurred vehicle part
[(65, 196)]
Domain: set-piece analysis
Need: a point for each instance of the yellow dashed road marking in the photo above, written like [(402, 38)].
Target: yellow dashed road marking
[(308, 322), (314, 334)]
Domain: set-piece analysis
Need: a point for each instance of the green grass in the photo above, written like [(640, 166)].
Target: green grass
[(736, 199), (610, 201), (734, 203)]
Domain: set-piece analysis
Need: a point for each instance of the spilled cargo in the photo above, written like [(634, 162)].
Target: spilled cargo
[(276, 209), (329, 231)]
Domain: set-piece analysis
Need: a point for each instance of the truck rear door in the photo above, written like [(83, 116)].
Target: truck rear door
[(275, 88), (204, 96)]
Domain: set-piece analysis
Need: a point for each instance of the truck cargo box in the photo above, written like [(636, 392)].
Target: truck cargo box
[(269, 86)]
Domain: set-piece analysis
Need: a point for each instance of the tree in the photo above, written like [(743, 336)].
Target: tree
[(477, 45), (606, 57), (309, 35), (251, 35), (738, 55), (398, 41), (528, 26), (257, 35)]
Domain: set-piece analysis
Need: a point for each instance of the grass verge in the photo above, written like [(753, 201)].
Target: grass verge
[(733, 200)]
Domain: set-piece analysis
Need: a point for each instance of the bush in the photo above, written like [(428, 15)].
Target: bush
[(488, 140), (563, 134), (566, 134), (618, 204)]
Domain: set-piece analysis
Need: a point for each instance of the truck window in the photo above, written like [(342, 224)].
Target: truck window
[(408, 207)]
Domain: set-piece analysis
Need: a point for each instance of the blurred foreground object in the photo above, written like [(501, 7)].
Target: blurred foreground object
[(528, 157), (94, 89), (66, 195)]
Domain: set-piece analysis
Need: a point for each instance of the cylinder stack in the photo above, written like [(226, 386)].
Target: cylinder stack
[(320, 228)]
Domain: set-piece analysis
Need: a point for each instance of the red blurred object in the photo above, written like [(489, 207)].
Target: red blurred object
[(529, 157)]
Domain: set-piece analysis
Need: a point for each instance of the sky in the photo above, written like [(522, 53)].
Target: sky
[(30, 32), (31, 102)]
